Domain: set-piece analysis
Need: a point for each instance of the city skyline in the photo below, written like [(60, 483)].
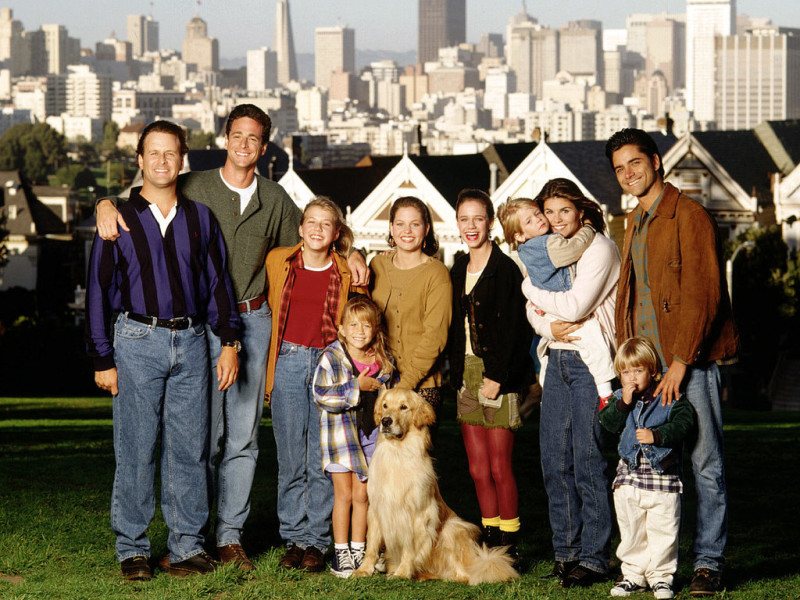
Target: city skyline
[(379, 24)]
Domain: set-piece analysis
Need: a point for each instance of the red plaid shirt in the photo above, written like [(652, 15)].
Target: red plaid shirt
[(331, 307)]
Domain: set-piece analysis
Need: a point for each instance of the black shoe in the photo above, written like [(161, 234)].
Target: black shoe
[(580, 576), (705, 582), (561, 569), (490, 535), (509, 538), (136, 568)]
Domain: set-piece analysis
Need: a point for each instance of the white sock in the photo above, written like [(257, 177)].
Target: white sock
[(358, 545), (341, 546)]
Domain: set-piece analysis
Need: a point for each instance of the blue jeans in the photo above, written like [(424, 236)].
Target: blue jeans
[(305, 494), (572, 463), (163, 384), (235, 417), (702, 391)]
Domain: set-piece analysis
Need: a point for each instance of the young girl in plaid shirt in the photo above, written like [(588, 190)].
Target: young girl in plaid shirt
[(350, 372), (308, 287)]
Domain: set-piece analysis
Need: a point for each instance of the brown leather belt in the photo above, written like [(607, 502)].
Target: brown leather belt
[(253, 304)]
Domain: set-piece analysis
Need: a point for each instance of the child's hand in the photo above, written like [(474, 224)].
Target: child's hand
[(366, 383), (644, 436), (627, 392), (490, 389)]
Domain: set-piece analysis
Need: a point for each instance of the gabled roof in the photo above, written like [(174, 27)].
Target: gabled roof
[(33, 217), (744, 157), (782, 140), (587, 160), (347, 186), (451, 174), (448, 174), (512, 155)]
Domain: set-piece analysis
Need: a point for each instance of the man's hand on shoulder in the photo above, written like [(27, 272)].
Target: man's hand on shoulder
[(227, 368), (670, 384), (107, 380), (359, 269), (109, 221)]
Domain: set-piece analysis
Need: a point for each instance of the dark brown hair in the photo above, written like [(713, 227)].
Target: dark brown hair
[(569, 190), (255, 113), (478, 196), (430, 245), (641, 139)]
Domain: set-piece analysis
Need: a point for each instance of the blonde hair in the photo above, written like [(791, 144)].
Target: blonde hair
[(507, 214), (361, 308), (638, 352), (344, 243)]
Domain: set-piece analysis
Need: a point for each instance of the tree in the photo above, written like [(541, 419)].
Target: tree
[(85, 151), (766, 302), (33, 149), (200, 141), (75, 177), (110, 135)]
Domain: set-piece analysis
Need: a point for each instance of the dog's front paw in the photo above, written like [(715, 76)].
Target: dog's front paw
[(402, 572), (363, 571)]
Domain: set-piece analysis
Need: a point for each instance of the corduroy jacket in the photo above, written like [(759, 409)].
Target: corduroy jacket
[(278, 273), (686, 279)]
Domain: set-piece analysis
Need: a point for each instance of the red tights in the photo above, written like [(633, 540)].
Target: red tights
[(489, 454)]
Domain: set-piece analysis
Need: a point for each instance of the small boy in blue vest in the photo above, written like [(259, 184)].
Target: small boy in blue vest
[(647, 485)]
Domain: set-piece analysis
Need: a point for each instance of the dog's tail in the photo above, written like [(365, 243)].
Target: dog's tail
[(492, 565)]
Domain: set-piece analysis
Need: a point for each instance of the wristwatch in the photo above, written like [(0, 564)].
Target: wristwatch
[(237, 345)]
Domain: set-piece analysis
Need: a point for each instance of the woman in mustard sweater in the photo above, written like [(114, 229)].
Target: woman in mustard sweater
[(413, 290)]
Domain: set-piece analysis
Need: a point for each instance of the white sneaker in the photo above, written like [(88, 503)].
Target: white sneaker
[(626, 588), (663, 591)]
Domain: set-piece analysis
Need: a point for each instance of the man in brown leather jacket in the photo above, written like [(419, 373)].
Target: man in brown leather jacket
[(672, 290)]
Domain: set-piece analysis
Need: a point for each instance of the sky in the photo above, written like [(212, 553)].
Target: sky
[(242, 25)]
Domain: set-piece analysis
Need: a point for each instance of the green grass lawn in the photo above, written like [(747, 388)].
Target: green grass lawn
[(57, 466)]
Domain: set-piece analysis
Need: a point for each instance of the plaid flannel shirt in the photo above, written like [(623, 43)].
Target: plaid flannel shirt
[(336, 392)]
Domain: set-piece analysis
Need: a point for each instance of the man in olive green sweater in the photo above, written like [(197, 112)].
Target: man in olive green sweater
[(255, 216)]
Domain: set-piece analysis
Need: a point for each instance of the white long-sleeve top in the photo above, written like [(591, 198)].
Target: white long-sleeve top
[(594, 291)]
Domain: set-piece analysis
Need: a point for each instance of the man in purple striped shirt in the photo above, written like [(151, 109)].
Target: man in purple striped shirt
[(157, 286)]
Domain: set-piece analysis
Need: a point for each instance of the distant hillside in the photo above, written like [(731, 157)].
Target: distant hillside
[(305, 61)]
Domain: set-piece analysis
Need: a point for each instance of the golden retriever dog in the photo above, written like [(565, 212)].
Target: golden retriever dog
[(423, 538)]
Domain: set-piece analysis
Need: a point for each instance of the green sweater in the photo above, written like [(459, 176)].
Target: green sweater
[(271, 219)]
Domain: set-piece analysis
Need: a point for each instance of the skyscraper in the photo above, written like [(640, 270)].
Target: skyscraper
[(284, 43), (532, 51), (198, 48), (581, 49), (61, 49), (142, 34), (666, 48), (757, 77), (334, 49), (442, 23), (704, 20), (262, 69)]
